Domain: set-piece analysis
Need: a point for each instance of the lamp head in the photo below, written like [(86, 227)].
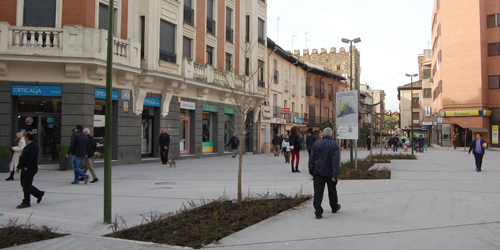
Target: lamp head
[(345, 40), (357, 40)]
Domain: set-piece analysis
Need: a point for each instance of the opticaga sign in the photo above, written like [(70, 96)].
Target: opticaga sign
[(36, 90)]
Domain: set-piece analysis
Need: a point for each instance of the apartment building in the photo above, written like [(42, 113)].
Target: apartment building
[(465, 70), (171, 60)]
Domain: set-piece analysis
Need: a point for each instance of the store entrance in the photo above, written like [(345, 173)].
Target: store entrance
[(47, 131), (147, 132)]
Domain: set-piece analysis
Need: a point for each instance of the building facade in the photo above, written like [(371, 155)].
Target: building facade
[(171, 65), (466, 70)]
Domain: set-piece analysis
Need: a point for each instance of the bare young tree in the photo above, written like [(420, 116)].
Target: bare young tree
[(242, 90)]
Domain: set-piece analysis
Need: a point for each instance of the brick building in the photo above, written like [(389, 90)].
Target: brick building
[(465, 70)]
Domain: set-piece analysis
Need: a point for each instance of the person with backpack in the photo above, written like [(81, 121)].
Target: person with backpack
[(311, 138), (234, 142)]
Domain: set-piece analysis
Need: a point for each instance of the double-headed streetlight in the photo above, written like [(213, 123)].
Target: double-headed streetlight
[(411, 103), (355, 40)]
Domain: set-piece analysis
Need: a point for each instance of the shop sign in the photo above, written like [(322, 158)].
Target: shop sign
[(36, 90), (278, 120), (494, 134), (440, 120), (210, 108), (428, 111), (426, 123), (427, 127), (266, 113), (125, 106), (188, 105), (229, 111), (298, 120), (462, 113), (28, 121), (285, 111), (126, 95), (99, 120), (151, 102), (347, 114), (101, 94)]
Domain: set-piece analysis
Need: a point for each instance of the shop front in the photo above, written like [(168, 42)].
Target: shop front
[(209, 127), (187, 112), (100, 118), (149, 127)]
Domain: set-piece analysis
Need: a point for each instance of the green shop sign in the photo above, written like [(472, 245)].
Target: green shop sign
[(229, 111), (210, 108)]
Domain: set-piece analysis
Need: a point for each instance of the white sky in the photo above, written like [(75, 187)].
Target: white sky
[(393, 33)]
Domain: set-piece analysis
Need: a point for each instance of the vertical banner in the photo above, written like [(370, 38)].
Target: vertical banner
[(494, 134), (347, 115)]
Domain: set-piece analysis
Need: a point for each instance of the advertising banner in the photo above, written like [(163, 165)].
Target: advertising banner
[(347, 115), (494, 134)]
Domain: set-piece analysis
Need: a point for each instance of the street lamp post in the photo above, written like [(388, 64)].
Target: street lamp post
[(355, 40), (411, 104)]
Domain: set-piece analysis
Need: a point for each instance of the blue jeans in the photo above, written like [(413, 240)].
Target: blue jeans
[(76, 162)]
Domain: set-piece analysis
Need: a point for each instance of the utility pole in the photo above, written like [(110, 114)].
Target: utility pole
[(293, 38), (277, 29), (305, 37)]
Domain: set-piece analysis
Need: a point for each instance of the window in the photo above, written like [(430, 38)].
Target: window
[(308, 87), (317, 92), (427, 73), (210, 17), (276, 72), (247, 66), (167, 42), (285, 80), (330, 92), (440, 59), (493, 49), (40, 13), (229, 59), (494, 82), (229, 30), (143, 32), (188, 12), (103, 18), (261, 74), (428, 93), (261, 32), (264, 1), (415, 102), (210, 55), (416, 117), (247, 31), (493, 20), (186, 47)]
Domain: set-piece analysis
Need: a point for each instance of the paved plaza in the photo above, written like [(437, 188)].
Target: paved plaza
[(436, 202)]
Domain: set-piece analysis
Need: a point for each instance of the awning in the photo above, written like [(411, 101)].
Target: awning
[(477, 130)]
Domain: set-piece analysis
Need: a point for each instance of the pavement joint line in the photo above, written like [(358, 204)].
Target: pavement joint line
[(356, 235)]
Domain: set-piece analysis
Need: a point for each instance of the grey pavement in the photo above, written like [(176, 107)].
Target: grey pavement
[(436, 202)]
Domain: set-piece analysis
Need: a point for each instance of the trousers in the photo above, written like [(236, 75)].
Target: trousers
[(479, 160), (28, 188), (319, 189)]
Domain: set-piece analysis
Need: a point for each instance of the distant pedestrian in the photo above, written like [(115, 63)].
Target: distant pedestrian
[(79, 147), (368, 143), (234, 142), (276, 145), (395, 141), (421, 143), (324, 165), (285, 148), (164, 144), (17, 149), (295, 148), (28, 165), (478, 147), (311, 138), (88, 163), (455, 141)]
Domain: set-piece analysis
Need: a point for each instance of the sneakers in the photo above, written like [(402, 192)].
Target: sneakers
[(86, 180), (338, 208), (74, 183), (23, 205), (95, 180), (319, 216)]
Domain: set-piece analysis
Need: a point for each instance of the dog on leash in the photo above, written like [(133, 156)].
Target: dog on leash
[(171, 162)]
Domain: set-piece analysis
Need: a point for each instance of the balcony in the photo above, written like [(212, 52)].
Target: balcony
[(277, 111), (210, 26), (72, 41), (168, 57), (276, 76), (262, 41), (229, 34), (309, 90), (188, 15)]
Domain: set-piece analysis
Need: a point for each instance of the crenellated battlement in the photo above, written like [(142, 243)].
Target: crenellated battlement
[(333, 50)]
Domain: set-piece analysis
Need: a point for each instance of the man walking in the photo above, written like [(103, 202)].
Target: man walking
[(477, 147), (234, 142), (164, 144), (324, 164), (368, 143), (395, 140), (311, 138), (276, 145), (88, 163), (79, 148), (28, 165)]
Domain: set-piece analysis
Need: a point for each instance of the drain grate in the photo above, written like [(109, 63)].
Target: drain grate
[(165, 183), (159, 188)]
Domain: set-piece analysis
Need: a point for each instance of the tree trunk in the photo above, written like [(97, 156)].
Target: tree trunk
[(240, 158)]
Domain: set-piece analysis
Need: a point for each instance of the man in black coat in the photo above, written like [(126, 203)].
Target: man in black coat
[(324, 166), (164, 144), (234, 142), (478, 147), (79, 147), (28, 165)]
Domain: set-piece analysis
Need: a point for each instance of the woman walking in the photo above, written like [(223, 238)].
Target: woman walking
[(17, 149), (295, 149), (286, 149)]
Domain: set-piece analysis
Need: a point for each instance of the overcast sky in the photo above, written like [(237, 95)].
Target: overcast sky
[(393, 33)]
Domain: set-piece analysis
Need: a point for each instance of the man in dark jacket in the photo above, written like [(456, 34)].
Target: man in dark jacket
[(368, 143), (324, 165), (164, 144), (234, 142), (28, 165), (276, 145), (79, 148), (87, 162), (478, 147), (311, 138)]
